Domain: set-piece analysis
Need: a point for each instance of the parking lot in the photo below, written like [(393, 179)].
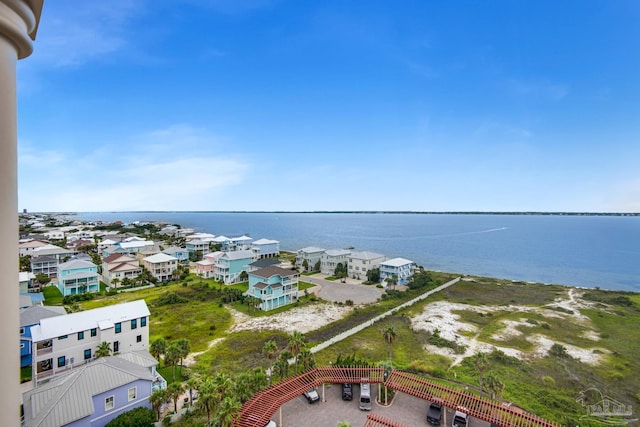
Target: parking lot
[(405, 409)]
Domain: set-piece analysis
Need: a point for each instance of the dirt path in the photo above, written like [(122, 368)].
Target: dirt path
[(190, 360)]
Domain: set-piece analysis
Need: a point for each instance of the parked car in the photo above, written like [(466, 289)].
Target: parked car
[(312, 395), (347, 391), (460, 419), (434, 414)]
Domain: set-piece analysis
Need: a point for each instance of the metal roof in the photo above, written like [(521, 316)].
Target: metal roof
[(264, 242), (32, 315), (366, 255), (397, 262), (160, 258), (233, 255)]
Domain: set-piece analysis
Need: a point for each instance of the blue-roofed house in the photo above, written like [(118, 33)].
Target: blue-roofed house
[(78, 277), (275, 286)]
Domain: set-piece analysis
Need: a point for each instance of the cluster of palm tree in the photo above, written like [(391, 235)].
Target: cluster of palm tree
[(173, 353), (491, 382), (296, 349), (219, 396)]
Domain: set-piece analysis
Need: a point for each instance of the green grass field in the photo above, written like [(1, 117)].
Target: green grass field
[(52, 295)]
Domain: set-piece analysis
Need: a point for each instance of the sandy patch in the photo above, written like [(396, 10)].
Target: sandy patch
[(439, 315), (591, 335), (190, 360), (302, 319)]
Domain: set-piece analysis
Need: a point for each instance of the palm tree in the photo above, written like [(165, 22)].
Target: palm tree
[(171, 357), (389, 334), (115, 282), (104, 349), (192, 383), (184, 347), (243, 388), (392, 281), (270, 349), (228, 412), (480, 362), (295, 345), (157, 398), (258, 380), (207, 396), (494, 384), (174, 390), (306, 359), (157, 348)]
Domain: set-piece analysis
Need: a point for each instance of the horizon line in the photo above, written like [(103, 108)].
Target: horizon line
[(382, 212)]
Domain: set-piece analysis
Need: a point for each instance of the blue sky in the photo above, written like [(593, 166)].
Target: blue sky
[(332, 105)]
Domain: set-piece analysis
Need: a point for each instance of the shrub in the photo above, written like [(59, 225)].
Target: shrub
[(558, 350), (138, 417), (349, 302), (548, 381)]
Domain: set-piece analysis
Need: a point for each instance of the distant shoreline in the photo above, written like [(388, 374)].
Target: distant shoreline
[(534, 213)]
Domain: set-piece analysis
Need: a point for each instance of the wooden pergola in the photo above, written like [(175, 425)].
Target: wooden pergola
[(261, 407)]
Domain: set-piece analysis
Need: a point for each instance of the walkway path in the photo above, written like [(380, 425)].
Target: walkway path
[(368, 323)]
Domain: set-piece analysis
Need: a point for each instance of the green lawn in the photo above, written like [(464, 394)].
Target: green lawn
[(25, 374), (167, 373), (52, 295)]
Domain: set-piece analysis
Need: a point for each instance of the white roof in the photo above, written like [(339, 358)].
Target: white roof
[(220, 239), (136, 244), (214, 255), (76, 264), (200, 236), (50, 249), (238, 255), (337, 252), (81, 321), (108, 242), (265, 242), (206, 261), (366, 255), (160, 258), (25, 276), (241, 239), (134, 239), (396, 262), (311, 249)]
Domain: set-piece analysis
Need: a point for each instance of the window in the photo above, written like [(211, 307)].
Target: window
[(116, 346), (108, 403), (63, 337), (21, 331), (132, 393), (139, 338), (118, 328), (143, 322), (62, 361), (87, 354), (21, 345), (94, 332), (80, 335), (134, 323)]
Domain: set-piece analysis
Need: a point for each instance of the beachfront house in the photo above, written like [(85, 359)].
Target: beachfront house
[(266, 248), (206, 268), (264, 262), (29, 317), (161, 266), (94, 394), (275, 286), (120, 267), (401, 268), (309, 257), (241, 243), (331, 258), (361, 262), (62, 342), (197, 246), (77, 277), (230, 265)]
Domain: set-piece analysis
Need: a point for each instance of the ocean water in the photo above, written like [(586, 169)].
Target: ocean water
[(584, 251)]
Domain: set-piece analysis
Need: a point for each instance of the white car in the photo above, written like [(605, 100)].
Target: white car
[(312, 395), (460, 419)]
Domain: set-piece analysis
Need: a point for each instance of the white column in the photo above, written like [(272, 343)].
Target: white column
[(18, 24)]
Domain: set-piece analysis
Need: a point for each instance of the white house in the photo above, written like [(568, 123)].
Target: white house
[(311, 255), (361, 262), (331, 258), (265, 248), (62, 342), (161, 266), (400, 267)]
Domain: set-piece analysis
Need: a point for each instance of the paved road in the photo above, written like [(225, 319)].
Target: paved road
[(335, 291), (405, 409)]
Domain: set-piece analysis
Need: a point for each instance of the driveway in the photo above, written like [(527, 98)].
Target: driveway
[(405, 409), (340, 292)]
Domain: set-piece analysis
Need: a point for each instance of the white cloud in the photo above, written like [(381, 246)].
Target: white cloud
[(192, 173)]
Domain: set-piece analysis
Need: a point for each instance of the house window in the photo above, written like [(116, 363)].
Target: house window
[(80, 335), (21, 345), (87, 354), (63, 337), (116, 346), (134, 323), (132, 393), (139, 338), (143, 322), (118, 328), (21, 331), (94, 332), (108, 403), (62, 361)]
